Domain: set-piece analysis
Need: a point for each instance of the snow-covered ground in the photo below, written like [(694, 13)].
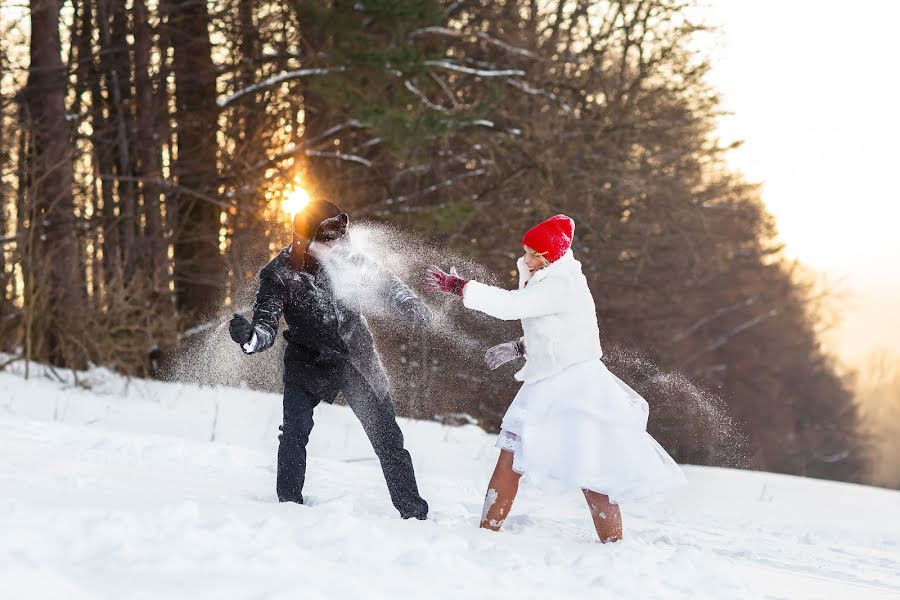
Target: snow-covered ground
[(117, 489)]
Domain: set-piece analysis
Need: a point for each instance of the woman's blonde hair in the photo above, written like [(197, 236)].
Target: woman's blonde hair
[(540, 255)]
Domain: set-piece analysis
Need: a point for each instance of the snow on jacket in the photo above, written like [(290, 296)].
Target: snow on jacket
[(557, 311), (326, 330), (317, 316)]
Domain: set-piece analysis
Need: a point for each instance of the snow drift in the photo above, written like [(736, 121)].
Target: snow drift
[(127, 488)]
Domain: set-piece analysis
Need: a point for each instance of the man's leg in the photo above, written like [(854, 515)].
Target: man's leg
[(371, 403), (296, 426)]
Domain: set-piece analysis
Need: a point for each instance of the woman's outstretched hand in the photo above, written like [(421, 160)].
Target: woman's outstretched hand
[(437, 280), (501, 354)]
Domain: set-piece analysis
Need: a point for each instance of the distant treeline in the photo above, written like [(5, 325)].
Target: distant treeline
[(144, 146)]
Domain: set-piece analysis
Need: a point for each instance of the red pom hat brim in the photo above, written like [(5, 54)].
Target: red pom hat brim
[(552, 238)]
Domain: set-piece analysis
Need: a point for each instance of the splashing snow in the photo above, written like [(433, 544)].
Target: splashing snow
[(390, 255), (387, 252), (489, 499), (365, 273), (684, 413)]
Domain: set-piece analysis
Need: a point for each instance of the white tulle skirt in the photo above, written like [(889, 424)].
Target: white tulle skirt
[(585, 428)]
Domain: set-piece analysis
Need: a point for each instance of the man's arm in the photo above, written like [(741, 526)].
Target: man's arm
[(266, 312), (398, 295), (406, 302)]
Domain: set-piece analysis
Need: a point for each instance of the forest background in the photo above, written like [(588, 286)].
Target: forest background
[(146, 148)]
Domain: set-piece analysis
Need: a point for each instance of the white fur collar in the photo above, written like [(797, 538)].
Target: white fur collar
[(564, 262)]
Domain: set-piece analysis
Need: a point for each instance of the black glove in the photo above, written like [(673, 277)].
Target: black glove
[(240, 329)]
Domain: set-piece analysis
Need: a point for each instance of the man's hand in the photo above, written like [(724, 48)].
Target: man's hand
[(501, 354), (240, 329), (419, 312), (436, 280)]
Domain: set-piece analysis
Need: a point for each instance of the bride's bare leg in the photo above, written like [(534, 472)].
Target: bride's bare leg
[(606, 515), (501, 492)]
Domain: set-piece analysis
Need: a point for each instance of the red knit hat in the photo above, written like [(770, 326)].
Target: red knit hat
[(553, 236)]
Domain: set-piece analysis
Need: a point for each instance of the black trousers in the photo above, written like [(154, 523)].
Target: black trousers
[(370, 401)]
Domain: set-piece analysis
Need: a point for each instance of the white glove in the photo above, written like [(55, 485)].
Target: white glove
[(501, 354)]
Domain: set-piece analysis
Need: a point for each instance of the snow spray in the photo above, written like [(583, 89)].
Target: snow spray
[(210, 357), (692, 421), (399, 254), (683, 415)]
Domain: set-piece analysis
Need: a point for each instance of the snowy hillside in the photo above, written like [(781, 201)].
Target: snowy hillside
[(116, 489)]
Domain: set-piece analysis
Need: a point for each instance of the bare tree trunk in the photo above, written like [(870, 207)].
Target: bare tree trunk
[(89, 76), (96, 258), (199, 269), (315, 107), (76, 47), (149, 152), (116, 65), (21, 187), (51, 187), (4, 207), (165, 131), (83, 68), (25, 234), (248, 249)]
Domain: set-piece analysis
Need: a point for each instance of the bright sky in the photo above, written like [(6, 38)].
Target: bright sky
[(815, 88)]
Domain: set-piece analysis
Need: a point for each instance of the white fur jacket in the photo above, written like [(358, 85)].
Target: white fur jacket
[(557, 312)]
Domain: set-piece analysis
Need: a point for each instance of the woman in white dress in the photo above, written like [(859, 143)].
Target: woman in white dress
[(573, 423)]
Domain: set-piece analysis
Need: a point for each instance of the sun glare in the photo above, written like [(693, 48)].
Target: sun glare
[(295, 201)]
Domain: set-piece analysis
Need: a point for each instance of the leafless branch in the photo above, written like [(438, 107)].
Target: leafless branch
[(724, 339), (293, 150), (340, 156), (528, 89), (275, 80), (415, 90), (168, 185), (435, 187), (449, 32), (451, 66), (714, 315)]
